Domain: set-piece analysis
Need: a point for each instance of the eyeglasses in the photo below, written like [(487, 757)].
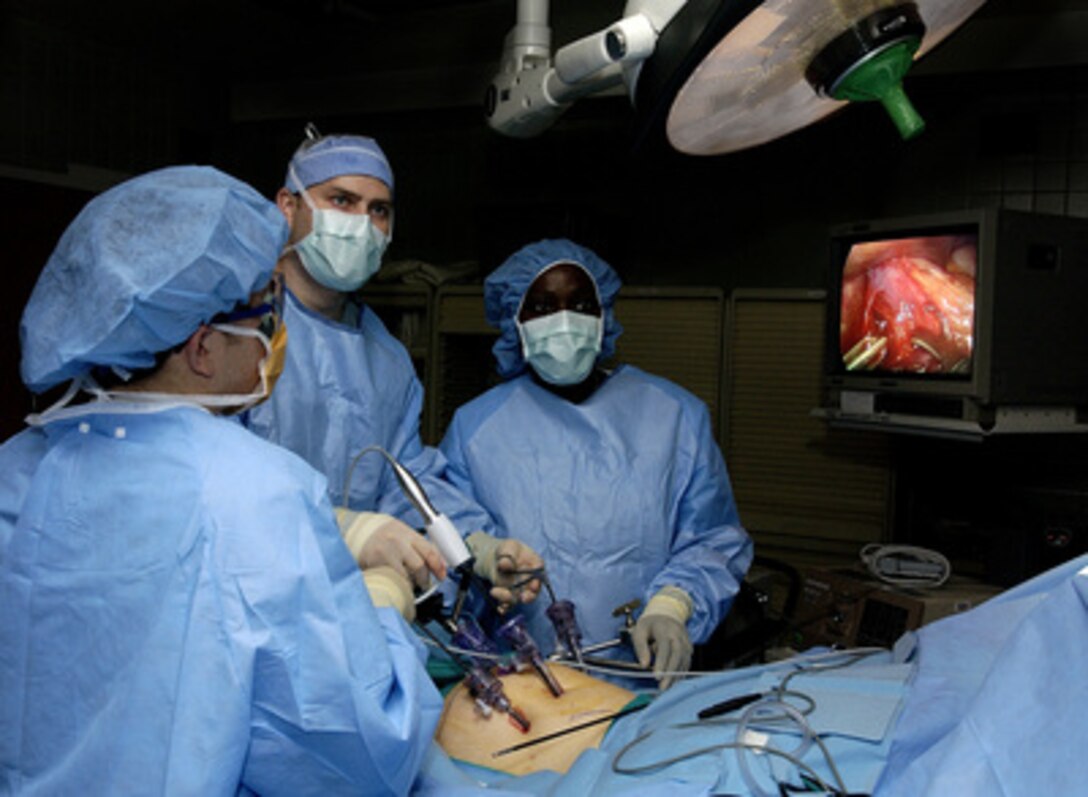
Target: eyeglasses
[(269, 311)]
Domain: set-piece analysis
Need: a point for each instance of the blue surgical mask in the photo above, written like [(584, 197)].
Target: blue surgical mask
[(562, 347), (342, 250)]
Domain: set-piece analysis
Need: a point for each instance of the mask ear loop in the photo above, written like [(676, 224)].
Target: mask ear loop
[(60, 408), (293, 175), (247, 332), (207, 400), (600, 304), (50, 412)]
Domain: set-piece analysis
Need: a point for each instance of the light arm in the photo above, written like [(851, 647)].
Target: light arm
[(531, 90)]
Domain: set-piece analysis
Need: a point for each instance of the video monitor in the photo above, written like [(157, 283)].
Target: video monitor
[(908, 304)]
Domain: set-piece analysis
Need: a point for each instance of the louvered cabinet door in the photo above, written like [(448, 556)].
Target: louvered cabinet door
[(807, 493)]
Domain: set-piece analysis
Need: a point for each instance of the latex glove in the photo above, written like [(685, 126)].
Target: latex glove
[(387, 587), (504, 563), (377, 540), (662, 629)]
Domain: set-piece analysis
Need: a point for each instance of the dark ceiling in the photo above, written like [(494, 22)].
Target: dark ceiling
[(102, 66), (432, 52)]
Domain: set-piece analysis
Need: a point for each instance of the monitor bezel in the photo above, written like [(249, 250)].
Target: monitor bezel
[(979, 222)]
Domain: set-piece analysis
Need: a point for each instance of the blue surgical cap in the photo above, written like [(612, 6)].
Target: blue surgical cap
[(320, 159), (506, 285), (142, 267)]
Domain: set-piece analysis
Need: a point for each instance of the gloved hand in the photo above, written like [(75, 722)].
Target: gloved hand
[(378, 540), (505, 563), (387, 587), (662, 629)]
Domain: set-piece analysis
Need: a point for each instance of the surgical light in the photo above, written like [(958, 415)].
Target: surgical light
[(717, 76)]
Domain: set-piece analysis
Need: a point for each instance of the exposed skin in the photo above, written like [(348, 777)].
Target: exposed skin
[(210, 362), (349, 193), (564, 286)]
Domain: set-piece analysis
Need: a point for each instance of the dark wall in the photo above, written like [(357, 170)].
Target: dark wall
[(34, 217)]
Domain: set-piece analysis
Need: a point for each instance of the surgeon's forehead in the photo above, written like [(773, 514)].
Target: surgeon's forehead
[(362, 185), (564, 275)]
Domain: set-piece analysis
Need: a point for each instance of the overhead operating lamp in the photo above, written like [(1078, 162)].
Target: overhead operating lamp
[(723, 75)]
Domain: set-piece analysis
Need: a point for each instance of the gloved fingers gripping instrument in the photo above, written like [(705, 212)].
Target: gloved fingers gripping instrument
[(438, 528), (513, 568)]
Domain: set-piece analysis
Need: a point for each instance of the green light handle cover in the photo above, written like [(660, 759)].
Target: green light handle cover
[(881, 78)]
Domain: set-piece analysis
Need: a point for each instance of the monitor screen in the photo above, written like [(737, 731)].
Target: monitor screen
[(908, 304)]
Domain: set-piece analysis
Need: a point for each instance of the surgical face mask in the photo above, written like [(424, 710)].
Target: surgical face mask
[(562, 347), (270, 367), (342, 250)]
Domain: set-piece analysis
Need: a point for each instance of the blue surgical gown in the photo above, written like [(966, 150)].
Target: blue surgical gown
[(622, 494), (346, 387), (178, 615)]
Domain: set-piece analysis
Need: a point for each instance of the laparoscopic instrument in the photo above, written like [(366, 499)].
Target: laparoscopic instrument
[(513, 631), (480, 679), (567, 731), (571, 649), (469, 646), (438, 528), (485, 687), (445, 537)]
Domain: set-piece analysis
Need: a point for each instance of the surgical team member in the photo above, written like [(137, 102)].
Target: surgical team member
[(614, 477), (348, 384), (178, 612)]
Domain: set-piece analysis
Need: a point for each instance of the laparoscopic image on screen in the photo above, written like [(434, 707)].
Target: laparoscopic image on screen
[(908, 305)]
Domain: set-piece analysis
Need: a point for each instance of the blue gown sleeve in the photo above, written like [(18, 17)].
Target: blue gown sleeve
[(341, 702), (428, 465), (710, 551), (457, 470)]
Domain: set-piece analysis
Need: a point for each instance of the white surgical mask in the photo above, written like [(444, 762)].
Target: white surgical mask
[(342, 250), (269, 369), (562, 347)]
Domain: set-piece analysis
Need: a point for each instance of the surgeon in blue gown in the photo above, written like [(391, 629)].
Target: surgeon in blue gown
[(348, 384), (614, 477), (178, 612)]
